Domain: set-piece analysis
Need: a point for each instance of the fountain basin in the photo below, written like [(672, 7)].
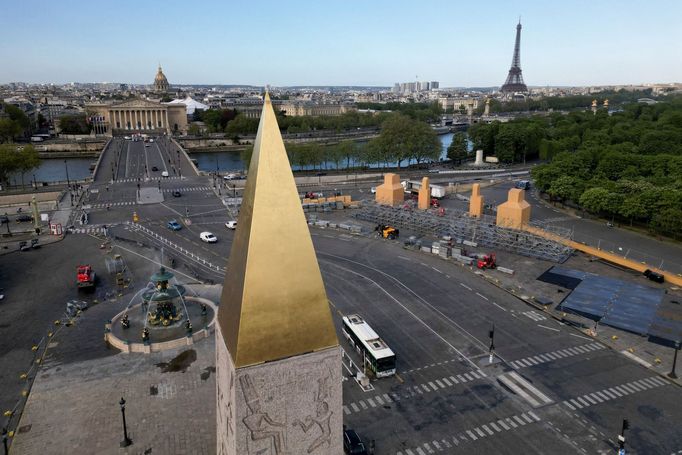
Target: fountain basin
[(161, 337)]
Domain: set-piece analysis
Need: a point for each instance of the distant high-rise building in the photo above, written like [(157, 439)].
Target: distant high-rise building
[(423, 86), (514, 82), (396, 88), (434, 85)]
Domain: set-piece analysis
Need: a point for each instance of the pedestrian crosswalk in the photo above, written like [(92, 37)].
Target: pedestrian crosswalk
[(93, 230), (413, 391), (612, 393), (143, 179), (555, 355), (486, 430), (111, 204), (524, 389), (187, 188), (534, 316)]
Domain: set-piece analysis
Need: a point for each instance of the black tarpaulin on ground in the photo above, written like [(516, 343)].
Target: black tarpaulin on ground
[(620, 304)]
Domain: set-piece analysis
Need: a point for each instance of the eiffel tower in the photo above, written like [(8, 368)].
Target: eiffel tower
[(514, 82)]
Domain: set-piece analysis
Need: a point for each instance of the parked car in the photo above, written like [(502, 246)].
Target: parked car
[(352, 444), (208, 237), (24, 218), (231, 225), (173, 225), (4, 219), (373, 189), (154, 168), (176, 193), (151, 140)]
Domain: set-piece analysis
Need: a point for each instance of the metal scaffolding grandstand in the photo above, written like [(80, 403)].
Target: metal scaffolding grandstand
[(460, 226)]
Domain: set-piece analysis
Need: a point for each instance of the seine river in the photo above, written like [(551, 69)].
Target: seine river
[(228, 161), (51, 170)]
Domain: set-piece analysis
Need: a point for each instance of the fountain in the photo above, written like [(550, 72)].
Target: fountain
[(160, 316)]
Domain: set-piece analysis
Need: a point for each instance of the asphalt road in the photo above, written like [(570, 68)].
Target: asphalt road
[(436, 317), (666, 255), (550, 389)]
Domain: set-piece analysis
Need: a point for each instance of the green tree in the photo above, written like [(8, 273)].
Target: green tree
[(193, 130), (423, 143), (242, 125), (633, 208), (9, 130), (566, 188), (246, 155), (392, 142), (668, 222), (595, 200), (9, 161), (457, 150), (74, 124)]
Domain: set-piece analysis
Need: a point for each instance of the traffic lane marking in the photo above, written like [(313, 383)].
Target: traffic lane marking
[(549, 328), (465, 286)]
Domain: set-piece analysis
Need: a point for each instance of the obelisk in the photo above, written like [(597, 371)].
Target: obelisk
[(278, 359)]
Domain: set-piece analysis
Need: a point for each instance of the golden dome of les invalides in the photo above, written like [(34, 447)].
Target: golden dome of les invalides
[(160, 81)]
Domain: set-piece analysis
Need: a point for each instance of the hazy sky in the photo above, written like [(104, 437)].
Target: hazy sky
[(335, 42)]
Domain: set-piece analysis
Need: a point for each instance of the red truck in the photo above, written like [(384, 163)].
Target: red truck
[(85, 276)]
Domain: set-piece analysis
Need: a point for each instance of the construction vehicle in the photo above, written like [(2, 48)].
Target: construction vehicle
[(85, 276), (486, 261), (387, 232)]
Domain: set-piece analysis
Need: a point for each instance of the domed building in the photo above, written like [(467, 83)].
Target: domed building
[(160, 82)]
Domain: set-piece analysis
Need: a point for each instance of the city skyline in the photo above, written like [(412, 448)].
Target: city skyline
[(357, 45)]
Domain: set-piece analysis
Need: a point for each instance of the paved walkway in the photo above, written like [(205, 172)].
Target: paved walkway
[(170, 405)]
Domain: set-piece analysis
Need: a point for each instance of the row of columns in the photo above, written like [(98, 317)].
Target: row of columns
[(136, 119)]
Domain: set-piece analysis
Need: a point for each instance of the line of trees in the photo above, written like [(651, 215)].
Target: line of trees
[(233, 123), (626, 166), (570, 102), (402, 140), (17, 159)]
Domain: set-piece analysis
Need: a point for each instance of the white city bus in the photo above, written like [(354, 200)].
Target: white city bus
[(375, 353)]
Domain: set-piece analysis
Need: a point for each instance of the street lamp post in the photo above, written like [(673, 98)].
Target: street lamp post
[(672, 374), (4, 440), (491, 334), (621, 437), (67, 173), (126, 440)]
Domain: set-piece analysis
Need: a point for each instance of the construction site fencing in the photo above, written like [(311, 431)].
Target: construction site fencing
[(463, 228)]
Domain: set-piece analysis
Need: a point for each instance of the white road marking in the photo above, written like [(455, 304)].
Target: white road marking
[(548, 328), (626, 353), (498, 306), (482, 296), (579, 336), (465, 286)]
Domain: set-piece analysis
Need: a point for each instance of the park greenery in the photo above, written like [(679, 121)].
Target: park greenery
[(626, 166), (234, 123), (16, 159), (565, 103)]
